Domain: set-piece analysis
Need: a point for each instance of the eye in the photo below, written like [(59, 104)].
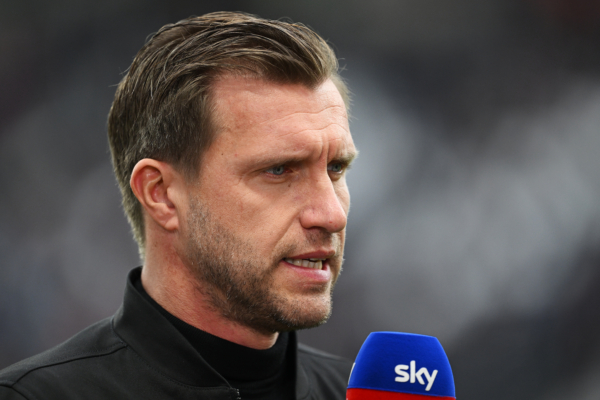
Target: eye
[(336, 167), (278, 170)]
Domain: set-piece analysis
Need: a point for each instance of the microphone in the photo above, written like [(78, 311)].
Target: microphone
[(401, 366)]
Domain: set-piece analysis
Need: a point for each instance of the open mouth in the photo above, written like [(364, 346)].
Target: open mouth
[(314, 263)]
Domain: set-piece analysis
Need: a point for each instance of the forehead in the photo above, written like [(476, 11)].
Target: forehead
[(250, 111)]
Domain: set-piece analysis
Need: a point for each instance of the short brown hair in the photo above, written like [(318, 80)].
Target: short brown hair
[(162, 105)]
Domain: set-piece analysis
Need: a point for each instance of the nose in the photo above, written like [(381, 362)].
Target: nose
[(326, 206)]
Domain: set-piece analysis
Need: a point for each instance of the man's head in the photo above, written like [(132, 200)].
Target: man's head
[(163, 106), (230, 142)]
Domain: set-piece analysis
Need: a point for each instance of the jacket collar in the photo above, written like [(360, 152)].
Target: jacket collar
[(148, 333), (159, 343), (302, 384)]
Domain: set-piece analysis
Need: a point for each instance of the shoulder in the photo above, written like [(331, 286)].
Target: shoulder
[(326, 372), (64, 364), (7, 393)]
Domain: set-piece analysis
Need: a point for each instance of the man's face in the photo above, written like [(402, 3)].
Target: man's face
[(265, 226)]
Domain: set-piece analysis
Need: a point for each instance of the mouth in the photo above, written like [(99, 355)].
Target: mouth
[(312, 263)]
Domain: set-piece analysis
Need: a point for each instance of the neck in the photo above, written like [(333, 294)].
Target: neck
[(177, 290)]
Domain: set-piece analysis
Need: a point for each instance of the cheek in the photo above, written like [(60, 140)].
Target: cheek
[(344, 196), (269, 220), (254, 215)]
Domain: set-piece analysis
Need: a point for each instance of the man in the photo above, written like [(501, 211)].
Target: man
[(230, 142)]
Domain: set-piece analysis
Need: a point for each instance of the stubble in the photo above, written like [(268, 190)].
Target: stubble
[(240, 285)]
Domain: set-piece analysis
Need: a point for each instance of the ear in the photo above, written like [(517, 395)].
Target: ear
[(157, 185)]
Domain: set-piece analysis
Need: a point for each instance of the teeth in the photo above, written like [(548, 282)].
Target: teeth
[(314, 263)]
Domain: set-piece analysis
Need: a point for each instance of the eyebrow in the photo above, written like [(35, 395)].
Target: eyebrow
[(345, 159), (348, 158)]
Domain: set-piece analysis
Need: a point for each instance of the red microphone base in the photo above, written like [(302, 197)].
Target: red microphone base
[(372, 394)]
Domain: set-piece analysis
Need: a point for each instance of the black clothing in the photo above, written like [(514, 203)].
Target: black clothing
[(257, 374), (138, 354)]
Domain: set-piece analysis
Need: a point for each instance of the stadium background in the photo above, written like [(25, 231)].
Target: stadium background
[(475, 200)]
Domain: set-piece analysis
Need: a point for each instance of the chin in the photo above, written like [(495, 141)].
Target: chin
[(306, 313), (292, 314)]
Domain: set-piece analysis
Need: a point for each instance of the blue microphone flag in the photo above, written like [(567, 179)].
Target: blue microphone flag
[(398, 365)]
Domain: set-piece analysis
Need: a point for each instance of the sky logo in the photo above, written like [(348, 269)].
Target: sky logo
[(396, 365), (413, 375)]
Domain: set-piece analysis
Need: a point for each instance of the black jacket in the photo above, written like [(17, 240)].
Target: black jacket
[(138, 354)]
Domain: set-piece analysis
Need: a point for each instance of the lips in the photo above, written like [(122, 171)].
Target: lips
[(317, 260), (314, 263)]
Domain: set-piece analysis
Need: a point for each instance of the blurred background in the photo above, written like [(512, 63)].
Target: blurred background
[(476, 197)]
